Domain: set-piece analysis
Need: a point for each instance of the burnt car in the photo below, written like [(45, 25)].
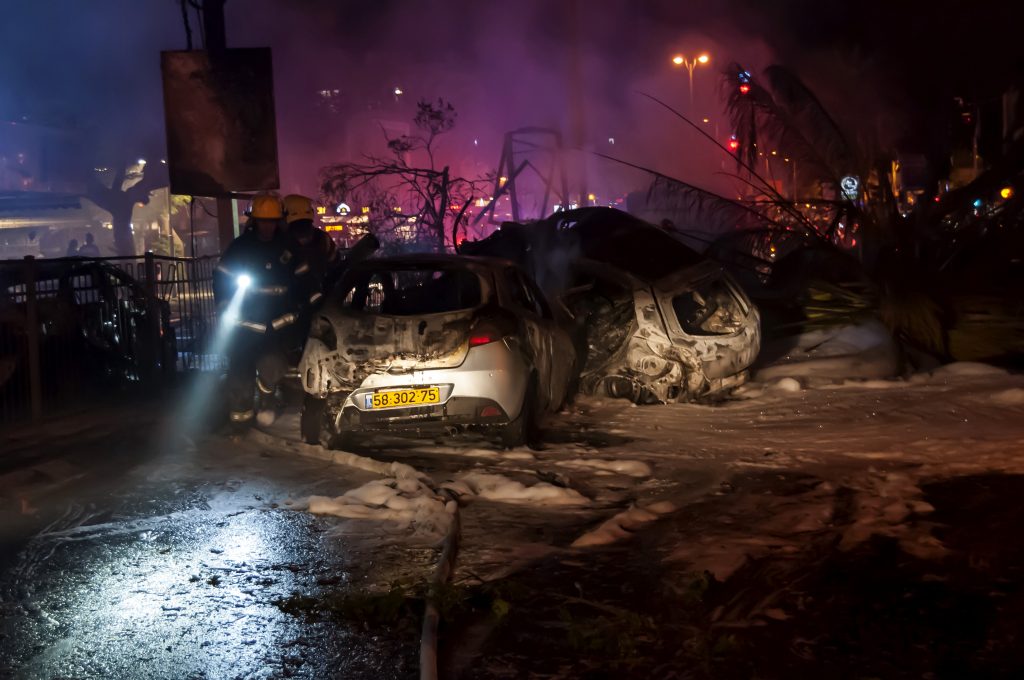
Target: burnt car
[(656, 321), (428, 343)]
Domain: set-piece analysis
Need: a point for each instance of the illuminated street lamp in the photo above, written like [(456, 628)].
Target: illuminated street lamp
[(690, 64)]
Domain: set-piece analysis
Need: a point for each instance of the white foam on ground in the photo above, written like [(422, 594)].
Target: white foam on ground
[(968, 369), (518, 455), (787, 385), (1010, 397), (499, 488), (868, 384), (623, 525), (407, 507), (630, 468), (479, 453), (865, 350)]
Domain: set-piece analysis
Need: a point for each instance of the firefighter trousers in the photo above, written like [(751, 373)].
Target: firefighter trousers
[(255, 368)]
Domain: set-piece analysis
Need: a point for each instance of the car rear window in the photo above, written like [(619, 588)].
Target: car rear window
[(411, 291)]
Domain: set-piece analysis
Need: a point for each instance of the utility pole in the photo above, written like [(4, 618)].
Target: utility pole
[(215, 40), (215, 33), (577, 111)]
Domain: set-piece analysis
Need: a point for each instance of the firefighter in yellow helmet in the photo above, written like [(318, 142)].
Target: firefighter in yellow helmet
[(262, 287), (314, 244)]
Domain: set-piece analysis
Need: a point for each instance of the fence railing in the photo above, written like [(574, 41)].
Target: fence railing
[(74, 327)]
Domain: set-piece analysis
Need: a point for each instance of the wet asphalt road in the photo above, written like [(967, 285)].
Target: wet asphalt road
[(121, 561)]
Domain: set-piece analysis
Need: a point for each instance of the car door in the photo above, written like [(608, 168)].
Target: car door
[(549, 346), (565, 363)]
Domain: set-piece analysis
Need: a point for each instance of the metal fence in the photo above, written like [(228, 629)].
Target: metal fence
[(71, 328)]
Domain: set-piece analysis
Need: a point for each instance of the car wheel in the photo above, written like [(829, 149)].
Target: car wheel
[(524, 429), (619, 387), (313, 410)]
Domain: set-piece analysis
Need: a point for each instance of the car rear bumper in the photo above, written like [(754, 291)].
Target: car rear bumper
[(457, 412), (486, 389)]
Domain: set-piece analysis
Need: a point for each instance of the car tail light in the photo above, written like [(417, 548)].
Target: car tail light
[(494, 329), (478, 339), (490, 412)]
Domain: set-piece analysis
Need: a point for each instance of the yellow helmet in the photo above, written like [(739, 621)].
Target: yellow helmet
[(297, 207), (266, 207)]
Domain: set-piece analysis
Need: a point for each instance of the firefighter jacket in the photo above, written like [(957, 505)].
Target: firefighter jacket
[(315, 247), (280, 285)]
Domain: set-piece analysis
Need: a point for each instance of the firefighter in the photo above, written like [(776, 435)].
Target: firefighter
[(262, 287), (315, 245)]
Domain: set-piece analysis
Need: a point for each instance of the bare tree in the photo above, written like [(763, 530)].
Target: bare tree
[(130, 183), (408, 196)]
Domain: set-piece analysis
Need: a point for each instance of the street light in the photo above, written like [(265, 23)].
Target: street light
[(690, 64)]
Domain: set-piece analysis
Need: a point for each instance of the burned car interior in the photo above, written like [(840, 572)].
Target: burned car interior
[(405, 292)]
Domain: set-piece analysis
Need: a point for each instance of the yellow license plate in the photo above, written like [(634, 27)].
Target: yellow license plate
[(418, 396)]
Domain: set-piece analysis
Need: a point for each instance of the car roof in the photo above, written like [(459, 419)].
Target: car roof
[(612, 237)]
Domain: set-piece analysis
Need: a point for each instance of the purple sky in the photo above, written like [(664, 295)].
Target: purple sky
[(507, 65)]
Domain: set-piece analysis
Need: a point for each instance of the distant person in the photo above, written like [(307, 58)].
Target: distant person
[(90, 249), (72, 248)]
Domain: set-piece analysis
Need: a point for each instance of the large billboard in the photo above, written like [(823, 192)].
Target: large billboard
[(219, 111)]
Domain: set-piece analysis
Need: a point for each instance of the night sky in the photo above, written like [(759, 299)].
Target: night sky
[(96, 65)]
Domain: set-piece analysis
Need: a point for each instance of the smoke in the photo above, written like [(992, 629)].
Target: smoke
[(571, 65)]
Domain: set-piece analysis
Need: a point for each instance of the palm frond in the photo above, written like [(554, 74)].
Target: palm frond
[(762, 186), (715, 213), (806, 123)]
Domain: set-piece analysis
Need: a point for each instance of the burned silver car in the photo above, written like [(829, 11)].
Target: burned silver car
[(434, 342), (657, 322)]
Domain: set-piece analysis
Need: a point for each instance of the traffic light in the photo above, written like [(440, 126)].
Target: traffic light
[(733, 143), (743, 77)]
